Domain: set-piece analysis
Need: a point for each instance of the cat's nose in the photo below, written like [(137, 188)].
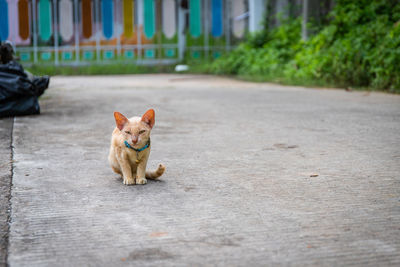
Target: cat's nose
[(134, 140)]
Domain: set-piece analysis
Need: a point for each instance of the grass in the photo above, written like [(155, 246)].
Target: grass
[(203, 67), (98, 69)]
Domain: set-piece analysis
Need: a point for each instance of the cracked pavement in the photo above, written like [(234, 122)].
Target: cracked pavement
[(257, 174)]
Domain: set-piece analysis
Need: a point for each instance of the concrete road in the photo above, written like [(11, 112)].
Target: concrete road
[(257, 174), (6, 127)]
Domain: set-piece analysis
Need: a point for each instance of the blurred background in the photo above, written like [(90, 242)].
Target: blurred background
[(85, 31), (350, 44)]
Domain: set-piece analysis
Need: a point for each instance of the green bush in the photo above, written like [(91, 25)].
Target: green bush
[(359, 47), (265, 53)]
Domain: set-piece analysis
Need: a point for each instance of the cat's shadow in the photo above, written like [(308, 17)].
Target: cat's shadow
[(119, 180)]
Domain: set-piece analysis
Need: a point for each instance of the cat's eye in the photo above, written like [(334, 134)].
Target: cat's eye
[(142, 131), (128, 132)]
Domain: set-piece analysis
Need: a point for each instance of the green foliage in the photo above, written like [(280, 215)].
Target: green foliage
[(359, 47), (264, 53)]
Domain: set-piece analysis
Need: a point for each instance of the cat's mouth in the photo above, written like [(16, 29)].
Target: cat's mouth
[(137, 145)]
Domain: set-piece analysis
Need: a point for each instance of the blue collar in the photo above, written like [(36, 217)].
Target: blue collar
[(139, 149)]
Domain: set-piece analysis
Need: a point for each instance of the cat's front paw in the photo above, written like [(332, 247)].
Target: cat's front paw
[(141, 181), (129, 181)]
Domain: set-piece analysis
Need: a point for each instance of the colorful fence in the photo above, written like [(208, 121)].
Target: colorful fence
[(143, 31), (214, 27)]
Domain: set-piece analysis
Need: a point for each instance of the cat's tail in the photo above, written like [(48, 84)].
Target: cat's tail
[(157, 173)]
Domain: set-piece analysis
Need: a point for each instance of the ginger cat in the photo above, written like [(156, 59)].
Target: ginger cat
[(130, 148)]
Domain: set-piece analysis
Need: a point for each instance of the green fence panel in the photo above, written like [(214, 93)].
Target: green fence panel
[(45, 25), (195, 18), (149, 19)]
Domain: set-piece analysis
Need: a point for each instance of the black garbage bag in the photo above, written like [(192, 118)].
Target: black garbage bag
[(18, 92)]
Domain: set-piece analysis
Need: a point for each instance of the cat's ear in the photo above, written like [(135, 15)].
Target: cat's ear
[(149, 117), (120, 120)]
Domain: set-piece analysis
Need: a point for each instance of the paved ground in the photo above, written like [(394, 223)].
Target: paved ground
[(5, 184), (237, 191)]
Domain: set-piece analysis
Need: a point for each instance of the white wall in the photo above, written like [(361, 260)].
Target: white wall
[(257, 13)]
